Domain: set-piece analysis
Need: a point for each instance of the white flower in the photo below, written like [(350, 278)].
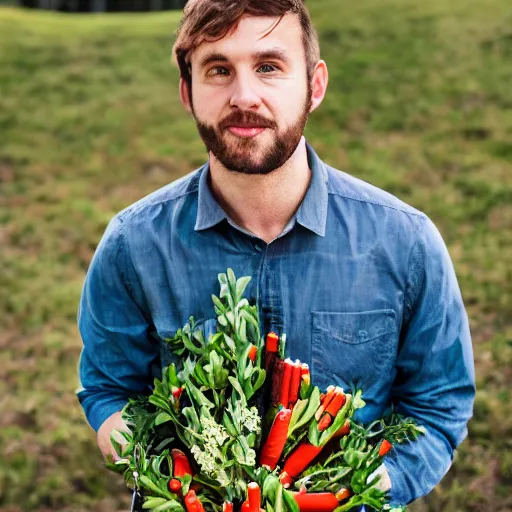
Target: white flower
[(204, 458), (212, 431), (222, 477), (250, 458), (251, 419)]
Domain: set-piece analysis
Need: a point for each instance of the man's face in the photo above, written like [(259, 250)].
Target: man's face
[(250, 94)]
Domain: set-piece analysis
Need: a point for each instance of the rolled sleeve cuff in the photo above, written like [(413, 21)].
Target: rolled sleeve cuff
[(97, 410), (397, 494)]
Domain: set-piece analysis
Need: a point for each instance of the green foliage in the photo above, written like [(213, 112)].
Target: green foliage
[(219, 426), (419, 103), (354, 458)]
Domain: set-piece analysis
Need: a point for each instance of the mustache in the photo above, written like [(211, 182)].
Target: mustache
[(246, 119)]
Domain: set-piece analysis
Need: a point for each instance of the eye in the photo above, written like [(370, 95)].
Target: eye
[(218, 71), (267, 68)]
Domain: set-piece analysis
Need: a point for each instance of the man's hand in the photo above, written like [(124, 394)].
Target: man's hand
[(114, 422), (384, 484)]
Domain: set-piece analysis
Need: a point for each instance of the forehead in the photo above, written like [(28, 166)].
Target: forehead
[(254, 34)]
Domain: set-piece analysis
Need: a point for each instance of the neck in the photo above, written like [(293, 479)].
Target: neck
[(262, 204)]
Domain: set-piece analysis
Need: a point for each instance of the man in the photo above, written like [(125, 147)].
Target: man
[(361, 283)]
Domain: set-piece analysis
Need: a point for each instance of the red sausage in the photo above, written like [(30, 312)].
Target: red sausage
[(274, 445), (300, 458), (316, 501)]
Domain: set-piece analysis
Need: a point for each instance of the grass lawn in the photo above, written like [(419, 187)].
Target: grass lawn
[(419, 103)]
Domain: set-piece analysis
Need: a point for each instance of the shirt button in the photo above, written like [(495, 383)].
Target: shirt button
[(258, 246)]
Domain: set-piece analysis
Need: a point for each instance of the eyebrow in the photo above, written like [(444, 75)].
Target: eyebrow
[(273, 53)]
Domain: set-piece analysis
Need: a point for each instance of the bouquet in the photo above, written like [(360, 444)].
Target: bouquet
[(237, 427)]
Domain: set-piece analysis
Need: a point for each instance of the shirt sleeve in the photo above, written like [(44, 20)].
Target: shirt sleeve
[(435, 380), (117, 350)]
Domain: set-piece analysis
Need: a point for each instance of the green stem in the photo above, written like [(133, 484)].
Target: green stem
[(324, 472)]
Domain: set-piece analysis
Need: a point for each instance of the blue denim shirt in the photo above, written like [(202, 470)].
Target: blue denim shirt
[(361, 283)]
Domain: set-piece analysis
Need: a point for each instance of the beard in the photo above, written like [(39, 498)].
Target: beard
[(250, 155)]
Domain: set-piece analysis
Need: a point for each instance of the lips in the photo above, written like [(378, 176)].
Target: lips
[(246, 131), (246, 124)]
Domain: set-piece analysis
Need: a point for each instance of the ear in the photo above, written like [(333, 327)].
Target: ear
[(185, 96), (319, 83)]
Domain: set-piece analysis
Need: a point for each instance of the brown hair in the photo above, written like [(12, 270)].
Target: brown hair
[(211, 20)]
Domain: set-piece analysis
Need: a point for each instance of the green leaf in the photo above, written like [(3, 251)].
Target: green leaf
[(170, 505), (160, 403), (218, 304), (282, 346), (199, 373), (115, 444), (216, 373), (250, 388), (224, 291), (234, 382), (118, 440), (198, 396), (243, 360), (155, 465), (163, 385), (313, 404), (314, 434), (198, 336), (230, 317), (292, 443), (248, 370), (163, 417), (150, 486), (353, 457), (152, 502), (305, 390), (358, 481), (240, 287), (229, 425), (338, 421), (186, 481), (242, 331), (173, 376), (166, 442), (230, 343), (279, 499), (290, 502), (251, 439), (250, 318), (358, 402), (270, 486), (298, 409), (192, 418), (191, 347), (231, 280)]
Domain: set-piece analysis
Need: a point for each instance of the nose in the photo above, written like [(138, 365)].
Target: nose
[(245, 93)]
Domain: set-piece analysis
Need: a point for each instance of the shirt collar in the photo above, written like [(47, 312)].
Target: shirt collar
[(209, 212), (312, 213)]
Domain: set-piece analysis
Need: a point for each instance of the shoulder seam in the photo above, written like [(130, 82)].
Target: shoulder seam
[(410, 296), (122, 255), (419, 214), (131, 210)]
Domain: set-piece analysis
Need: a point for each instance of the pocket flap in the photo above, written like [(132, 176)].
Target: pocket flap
[(355, 327)]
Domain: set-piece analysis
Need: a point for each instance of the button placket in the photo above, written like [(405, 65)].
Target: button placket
[(258, 245), (272, 310)]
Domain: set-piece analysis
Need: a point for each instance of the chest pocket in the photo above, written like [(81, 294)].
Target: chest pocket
[(353, 348)]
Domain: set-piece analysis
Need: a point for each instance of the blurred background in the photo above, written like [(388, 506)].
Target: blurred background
[(419, 103)]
